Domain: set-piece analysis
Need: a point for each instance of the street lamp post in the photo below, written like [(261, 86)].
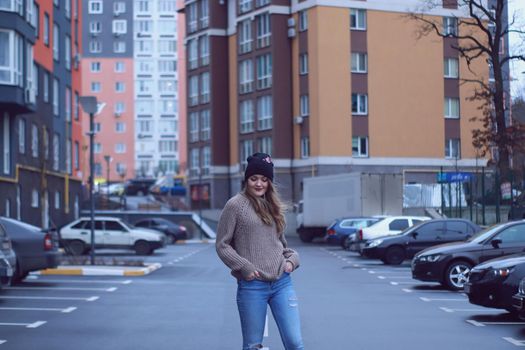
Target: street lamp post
[(108, 160), (90, 106)]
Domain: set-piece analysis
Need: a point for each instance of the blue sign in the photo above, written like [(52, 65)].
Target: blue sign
[(454, 177)]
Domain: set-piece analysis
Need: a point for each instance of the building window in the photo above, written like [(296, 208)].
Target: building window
[(11, 58), (167, 47), (7, 145), (303, 63), (359, 62), (305, 147), (120, 148), (95, 27), (120, 107), (120, 86), (264, 113), (119, 46), (450, 26), (264, 71), (169, 87), (95, 46), (76, 159), (205, 125), (67, 104), (119, 7), (245, 36), (98, 169), (359, 104), (259, 3), (192, 17), (97, 127), (204, 46), (246, 150), (95, 86), (358, 19), (194, 126), (246, 116), (144, 126), (451, 107), (167, 66), (167, 6), (46, 87), (168, 106), (245, 6), (34, 141), (95, 67), (168, 126), (57, 200), (451, 68), (194, 90), (264, 31), (68, 156), (194, 162), (205, 18), (67, 8), (304, 108), (34, 199), (67, 52), (246, 76), (303, 20), (120, 67), (46, 29), (95, 6), (97, 148), (56, 42), (120, 127), (168, 146), (56, 151), (144, 47), (265, 145), (144, 107), (206, 160), (205, 87), (452, 149), (166, 27), (193, 58), (21, 136), (360, 146), (56, 97), (144, 86), (144, 27), (76, 107)]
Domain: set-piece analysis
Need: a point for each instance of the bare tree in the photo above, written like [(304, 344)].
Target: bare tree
[(480, 34)]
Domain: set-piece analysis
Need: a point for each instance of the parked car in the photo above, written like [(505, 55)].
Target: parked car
[(494, 283), (450, 264), (138, 187), (110, 232), (519, 299), (393, 250), (387, 227), (172, 231), (6, 271), (7, 258), (114, 189), (35, 249), (340, 229)]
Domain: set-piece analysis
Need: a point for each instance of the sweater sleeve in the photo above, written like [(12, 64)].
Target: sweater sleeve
[(289, 254), (223, 244)]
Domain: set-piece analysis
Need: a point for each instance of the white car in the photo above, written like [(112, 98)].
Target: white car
[(110, 232), (389, 226)]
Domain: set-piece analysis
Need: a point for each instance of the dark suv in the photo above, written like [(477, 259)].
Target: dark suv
[(138, 187)]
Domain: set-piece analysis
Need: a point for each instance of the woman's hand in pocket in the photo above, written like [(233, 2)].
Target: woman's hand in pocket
[(253, 276), (288, 267)]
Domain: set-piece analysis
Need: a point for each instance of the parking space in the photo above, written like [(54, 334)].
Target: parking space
[(41, 299), (509, 329)]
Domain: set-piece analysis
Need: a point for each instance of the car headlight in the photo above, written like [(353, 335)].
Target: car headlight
[(430, 258), (501, 272), (374, 243)]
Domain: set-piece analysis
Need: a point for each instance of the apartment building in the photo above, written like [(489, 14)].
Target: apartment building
[(326, 87), (40, 178)]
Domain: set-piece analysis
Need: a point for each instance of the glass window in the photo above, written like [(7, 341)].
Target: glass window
[(359, 104), (205, 87), (450, 26), (191, 13), (114, 226), (21, 136), (194, 126), (265, 145), (120, 26), (245, 5), (193, 57), (194, 90), (46, 29), (430, 230), (56, 151), (303, 20), (451, 68), (457, 228), (95, 6), (451, 107), (358, 19), (264, 71), (264, 113), (360, 146), (120, 67), (34, 141), (452, 148), (204, 47), (398, 225), (303, 63), (513, 234), (56, 42), (246, 116), (245, 36), (304, 106), (205, 125), (56, 97), (264, 31), (305, 147), (359, 62), (245, 76)]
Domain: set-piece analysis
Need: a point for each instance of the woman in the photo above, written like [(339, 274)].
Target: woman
[(250, 241)]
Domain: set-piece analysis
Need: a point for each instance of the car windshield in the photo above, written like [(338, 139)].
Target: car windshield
[(481, 236), (126, 224)]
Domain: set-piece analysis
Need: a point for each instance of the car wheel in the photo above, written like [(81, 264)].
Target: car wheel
[(457, 274), (76, 247), (142, 248), (306, 237), (345, 243), (140, 193), (19, 275), (170, 239), (394, 256)]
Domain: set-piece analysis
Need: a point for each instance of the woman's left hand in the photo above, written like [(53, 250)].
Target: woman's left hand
[(288, 267)]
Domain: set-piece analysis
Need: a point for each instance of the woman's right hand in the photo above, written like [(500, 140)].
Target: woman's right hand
[(253, 276)]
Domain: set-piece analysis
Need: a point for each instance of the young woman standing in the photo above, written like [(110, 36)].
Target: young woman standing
[(250, 241)]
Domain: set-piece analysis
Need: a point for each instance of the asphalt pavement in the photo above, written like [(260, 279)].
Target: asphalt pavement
[(188, 303)]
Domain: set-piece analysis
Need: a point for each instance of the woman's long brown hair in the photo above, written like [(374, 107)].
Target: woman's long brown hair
[(269, 207)]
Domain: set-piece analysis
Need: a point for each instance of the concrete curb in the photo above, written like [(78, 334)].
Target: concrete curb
[(100, 270), (194, 241)]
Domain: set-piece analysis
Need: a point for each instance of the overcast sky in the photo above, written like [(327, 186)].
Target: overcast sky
[(517, 45)]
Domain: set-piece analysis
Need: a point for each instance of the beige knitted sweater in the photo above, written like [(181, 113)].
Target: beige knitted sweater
[(245, 244)]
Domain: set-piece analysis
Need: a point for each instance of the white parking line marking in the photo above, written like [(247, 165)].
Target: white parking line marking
[(266, 326), (440, 299), (387, 271), (356, 265), (482, 324), (410, 290), (515, 342), (446, 309), (47, 298), (381, 277), (397, 283), (67, 310), (364, 268), (27, 325), (401, 277), (45, 280), (63, 288), (2, 341)]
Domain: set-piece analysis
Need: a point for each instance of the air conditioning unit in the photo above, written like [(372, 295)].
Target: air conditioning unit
[(298, 120), (291, 32), (117, 34), (118, 114), (116, 13), (291, 22), (94, 34)]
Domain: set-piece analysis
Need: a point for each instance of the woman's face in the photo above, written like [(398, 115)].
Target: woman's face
[(257, 185)]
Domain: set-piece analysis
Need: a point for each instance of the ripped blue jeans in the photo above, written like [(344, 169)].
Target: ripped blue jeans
[(253, 298)]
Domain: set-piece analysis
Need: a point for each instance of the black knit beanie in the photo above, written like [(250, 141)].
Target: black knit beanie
[(259, 164)]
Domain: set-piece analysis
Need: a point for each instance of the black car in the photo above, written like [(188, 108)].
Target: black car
[(450, 264), (35, 248), (393, 250), (519, 299), (494, 283), (138, 187), (172, 231)]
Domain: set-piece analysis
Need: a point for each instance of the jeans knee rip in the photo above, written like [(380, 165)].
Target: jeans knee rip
[(255, 346), (292, 301)]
